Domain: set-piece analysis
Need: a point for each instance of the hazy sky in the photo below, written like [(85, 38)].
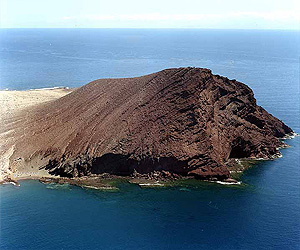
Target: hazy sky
[(230, 14)]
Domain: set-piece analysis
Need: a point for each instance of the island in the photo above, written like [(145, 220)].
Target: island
[(176, 123)]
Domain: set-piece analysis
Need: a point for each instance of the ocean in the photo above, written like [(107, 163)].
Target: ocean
[(262, 213)]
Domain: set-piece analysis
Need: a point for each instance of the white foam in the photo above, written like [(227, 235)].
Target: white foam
[(51, 88), (151, 184), (291, 136), (229, 183), (12, 182)]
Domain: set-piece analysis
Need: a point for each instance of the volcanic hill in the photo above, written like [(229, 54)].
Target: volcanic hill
[(185, 121)]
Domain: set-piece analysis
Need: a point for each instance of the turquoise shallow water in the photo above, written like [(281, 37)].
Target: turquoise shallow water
[(264, 213)]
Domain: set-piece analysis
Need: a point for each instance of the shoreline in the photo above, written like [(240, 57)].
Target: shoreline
[(96, 181), (15, 101), (100, 183), (12, 104), (46, 88)]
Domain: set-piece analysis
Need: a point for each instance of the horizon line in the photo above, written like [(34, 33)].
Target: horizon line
[(152, 28)]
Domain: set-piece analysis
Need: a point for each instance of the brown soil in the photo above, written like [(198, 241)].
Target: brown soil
[(186, 121)]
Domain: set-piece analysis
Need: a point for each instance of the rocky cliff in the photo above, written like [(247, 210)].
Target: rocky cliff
[(186, 121)]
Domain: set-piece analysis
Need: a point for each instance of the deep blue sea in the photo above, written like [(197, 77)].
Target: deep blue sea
[(263, 213)]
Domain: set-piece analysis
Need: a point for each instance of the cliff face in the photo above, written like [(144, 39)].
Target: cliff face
[(186, 120)]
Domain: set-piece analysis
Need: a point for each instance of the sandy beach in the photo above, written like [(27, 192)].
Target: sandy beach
[(12, 104)]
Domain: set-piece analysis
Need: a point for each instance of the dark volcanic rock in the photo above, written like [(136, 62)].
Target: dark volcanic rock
[(184, 121)]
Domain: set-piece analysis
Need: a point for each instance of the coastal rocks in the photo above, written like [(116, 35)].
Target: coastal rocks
[(8, 180), (95, 182), (157, 175), (183, 121)]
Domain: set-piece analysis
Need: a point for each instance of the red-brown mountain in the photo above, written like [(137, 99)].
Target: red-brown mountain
[(183, 120)]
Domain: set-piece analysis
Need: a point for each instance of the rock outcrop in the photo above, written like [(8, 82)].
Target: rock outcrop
[(184, 121)]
